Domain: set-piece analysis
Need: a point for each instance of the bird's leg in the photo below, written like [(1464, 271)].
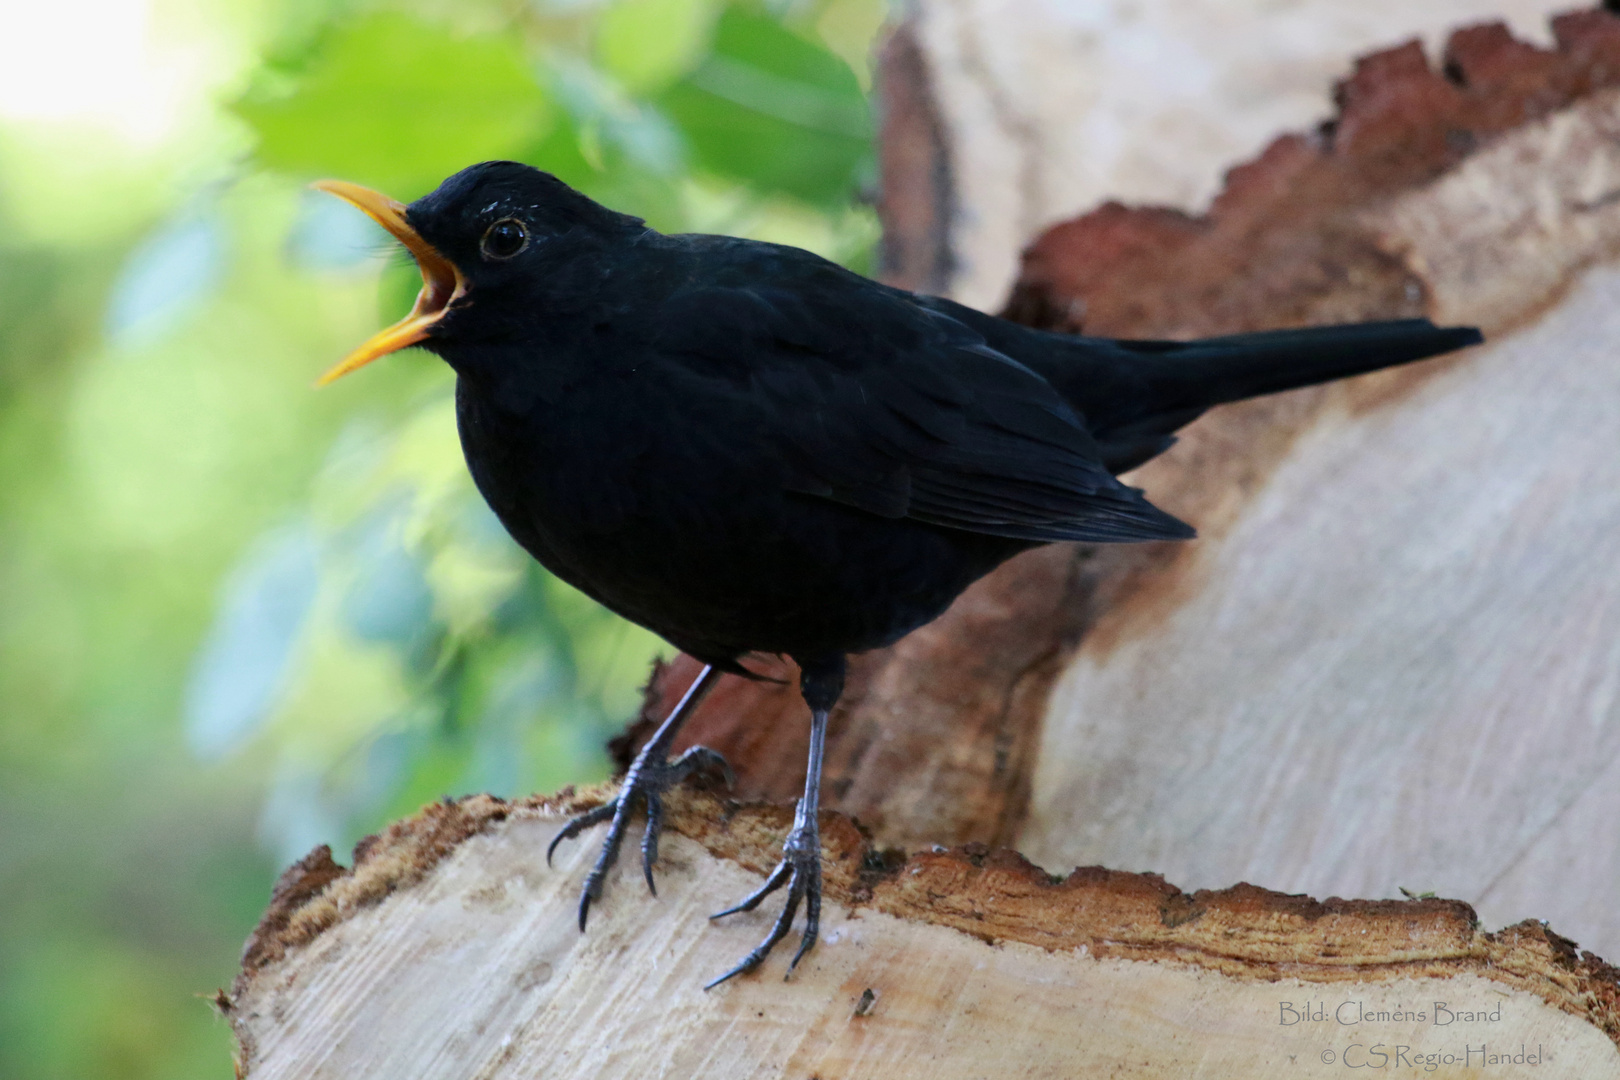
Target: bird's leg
[(800, 869), (650, 775)]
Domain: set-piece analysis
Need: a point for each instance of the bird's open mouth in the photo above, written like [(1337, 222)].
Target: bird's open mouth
[(442, 283)]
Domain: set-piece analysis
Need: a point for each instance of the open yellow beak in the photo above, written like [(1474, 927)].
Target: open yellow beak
[(442, 283)]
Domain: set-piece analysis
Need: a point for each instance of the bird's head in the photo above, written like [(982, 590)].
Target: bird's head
[(488, 232)]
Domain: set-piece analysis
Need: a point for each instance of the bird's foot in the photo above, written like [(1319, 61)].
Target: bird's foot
[(800, 871), (649, 777)]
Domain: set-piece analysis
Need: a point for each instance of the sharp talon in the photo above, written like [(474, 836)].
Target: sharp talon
[(812, 925), (701, 758), (562, 834), (806, 943), (778, 877), (803, 877), (713, 761), (740, 969), (651, 774), (649, 839), (577, 825)]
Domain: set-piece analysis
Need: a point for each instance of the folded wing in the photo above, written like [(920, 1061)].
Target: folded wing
[(871, 400)]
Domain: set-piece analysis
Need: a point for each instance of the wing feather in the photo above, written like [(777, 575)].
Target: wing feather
[(869, 399)]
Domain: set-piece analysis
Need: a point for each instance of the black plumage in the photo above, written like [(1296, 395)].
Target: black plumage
[(747, 448)]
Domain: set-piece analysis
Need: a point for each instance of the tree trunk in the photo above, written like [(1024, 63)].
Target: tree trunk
[(1391, 659)]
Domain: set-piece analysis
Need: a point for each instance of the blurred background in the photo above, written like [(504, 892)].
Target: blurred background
[(239, 617)]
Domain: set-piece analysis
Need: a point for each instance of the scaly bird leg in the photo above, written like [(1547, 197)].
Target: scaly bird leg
[(650, 775), (800, 868)]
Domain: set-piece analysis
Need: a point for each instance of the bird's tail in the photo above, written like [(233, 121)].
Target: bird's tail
[(1135, 398)]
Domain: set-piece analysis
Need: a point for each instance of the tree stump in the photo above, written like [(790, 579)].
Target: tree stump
[(451, 950), (1392, 659)]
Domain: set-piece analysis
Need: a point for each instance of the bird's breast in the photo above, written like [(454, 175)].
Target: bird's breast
[(672, 513)]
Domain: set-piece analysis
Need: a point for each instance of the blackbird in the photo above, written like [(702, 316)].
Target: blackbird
[(746, 448)]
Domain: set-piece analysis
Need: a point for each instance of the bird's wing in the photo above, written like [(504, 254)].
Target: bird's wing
[(872, 400)]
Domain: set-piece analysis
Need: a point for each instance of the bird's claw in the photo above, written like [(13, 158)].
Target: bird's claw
[(800, 871), (647, 779), (579, 824)]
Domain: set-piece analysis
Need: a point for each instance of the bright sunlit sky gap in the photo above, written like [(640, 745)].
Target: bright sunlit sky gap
[(95, 63)]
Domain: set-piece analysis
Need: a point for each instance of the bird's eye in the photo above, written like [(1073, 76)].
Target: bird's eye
[(504, 239)]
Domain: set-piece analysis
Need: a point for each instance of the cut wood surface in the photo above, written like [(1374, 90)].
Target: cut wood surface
[(1046, 108), (451, 951), (1393, 658)]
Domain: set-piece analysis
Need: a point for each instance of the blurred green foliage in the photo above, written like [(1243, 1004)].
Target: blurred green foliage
[(397, 103), (771, 108), (241, 617)]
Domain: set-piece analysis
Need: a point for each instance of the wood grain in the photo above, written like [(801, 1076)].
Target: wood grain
[(1418, 692), (438, 961), (1052, 107), (1400, 663)]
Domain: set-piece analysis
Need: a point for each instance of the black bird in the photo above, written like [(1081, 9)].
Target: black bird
[(746, 448)]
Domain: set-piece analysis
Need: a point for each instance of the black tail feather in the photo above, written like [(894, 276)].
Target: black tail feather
[(1217, 370), (1133, 407), (1135, 394)]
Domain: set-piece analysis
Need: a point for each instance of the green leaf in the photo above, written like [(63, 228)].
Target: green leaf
[(647, 44), (771, 108), (399, 104)]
